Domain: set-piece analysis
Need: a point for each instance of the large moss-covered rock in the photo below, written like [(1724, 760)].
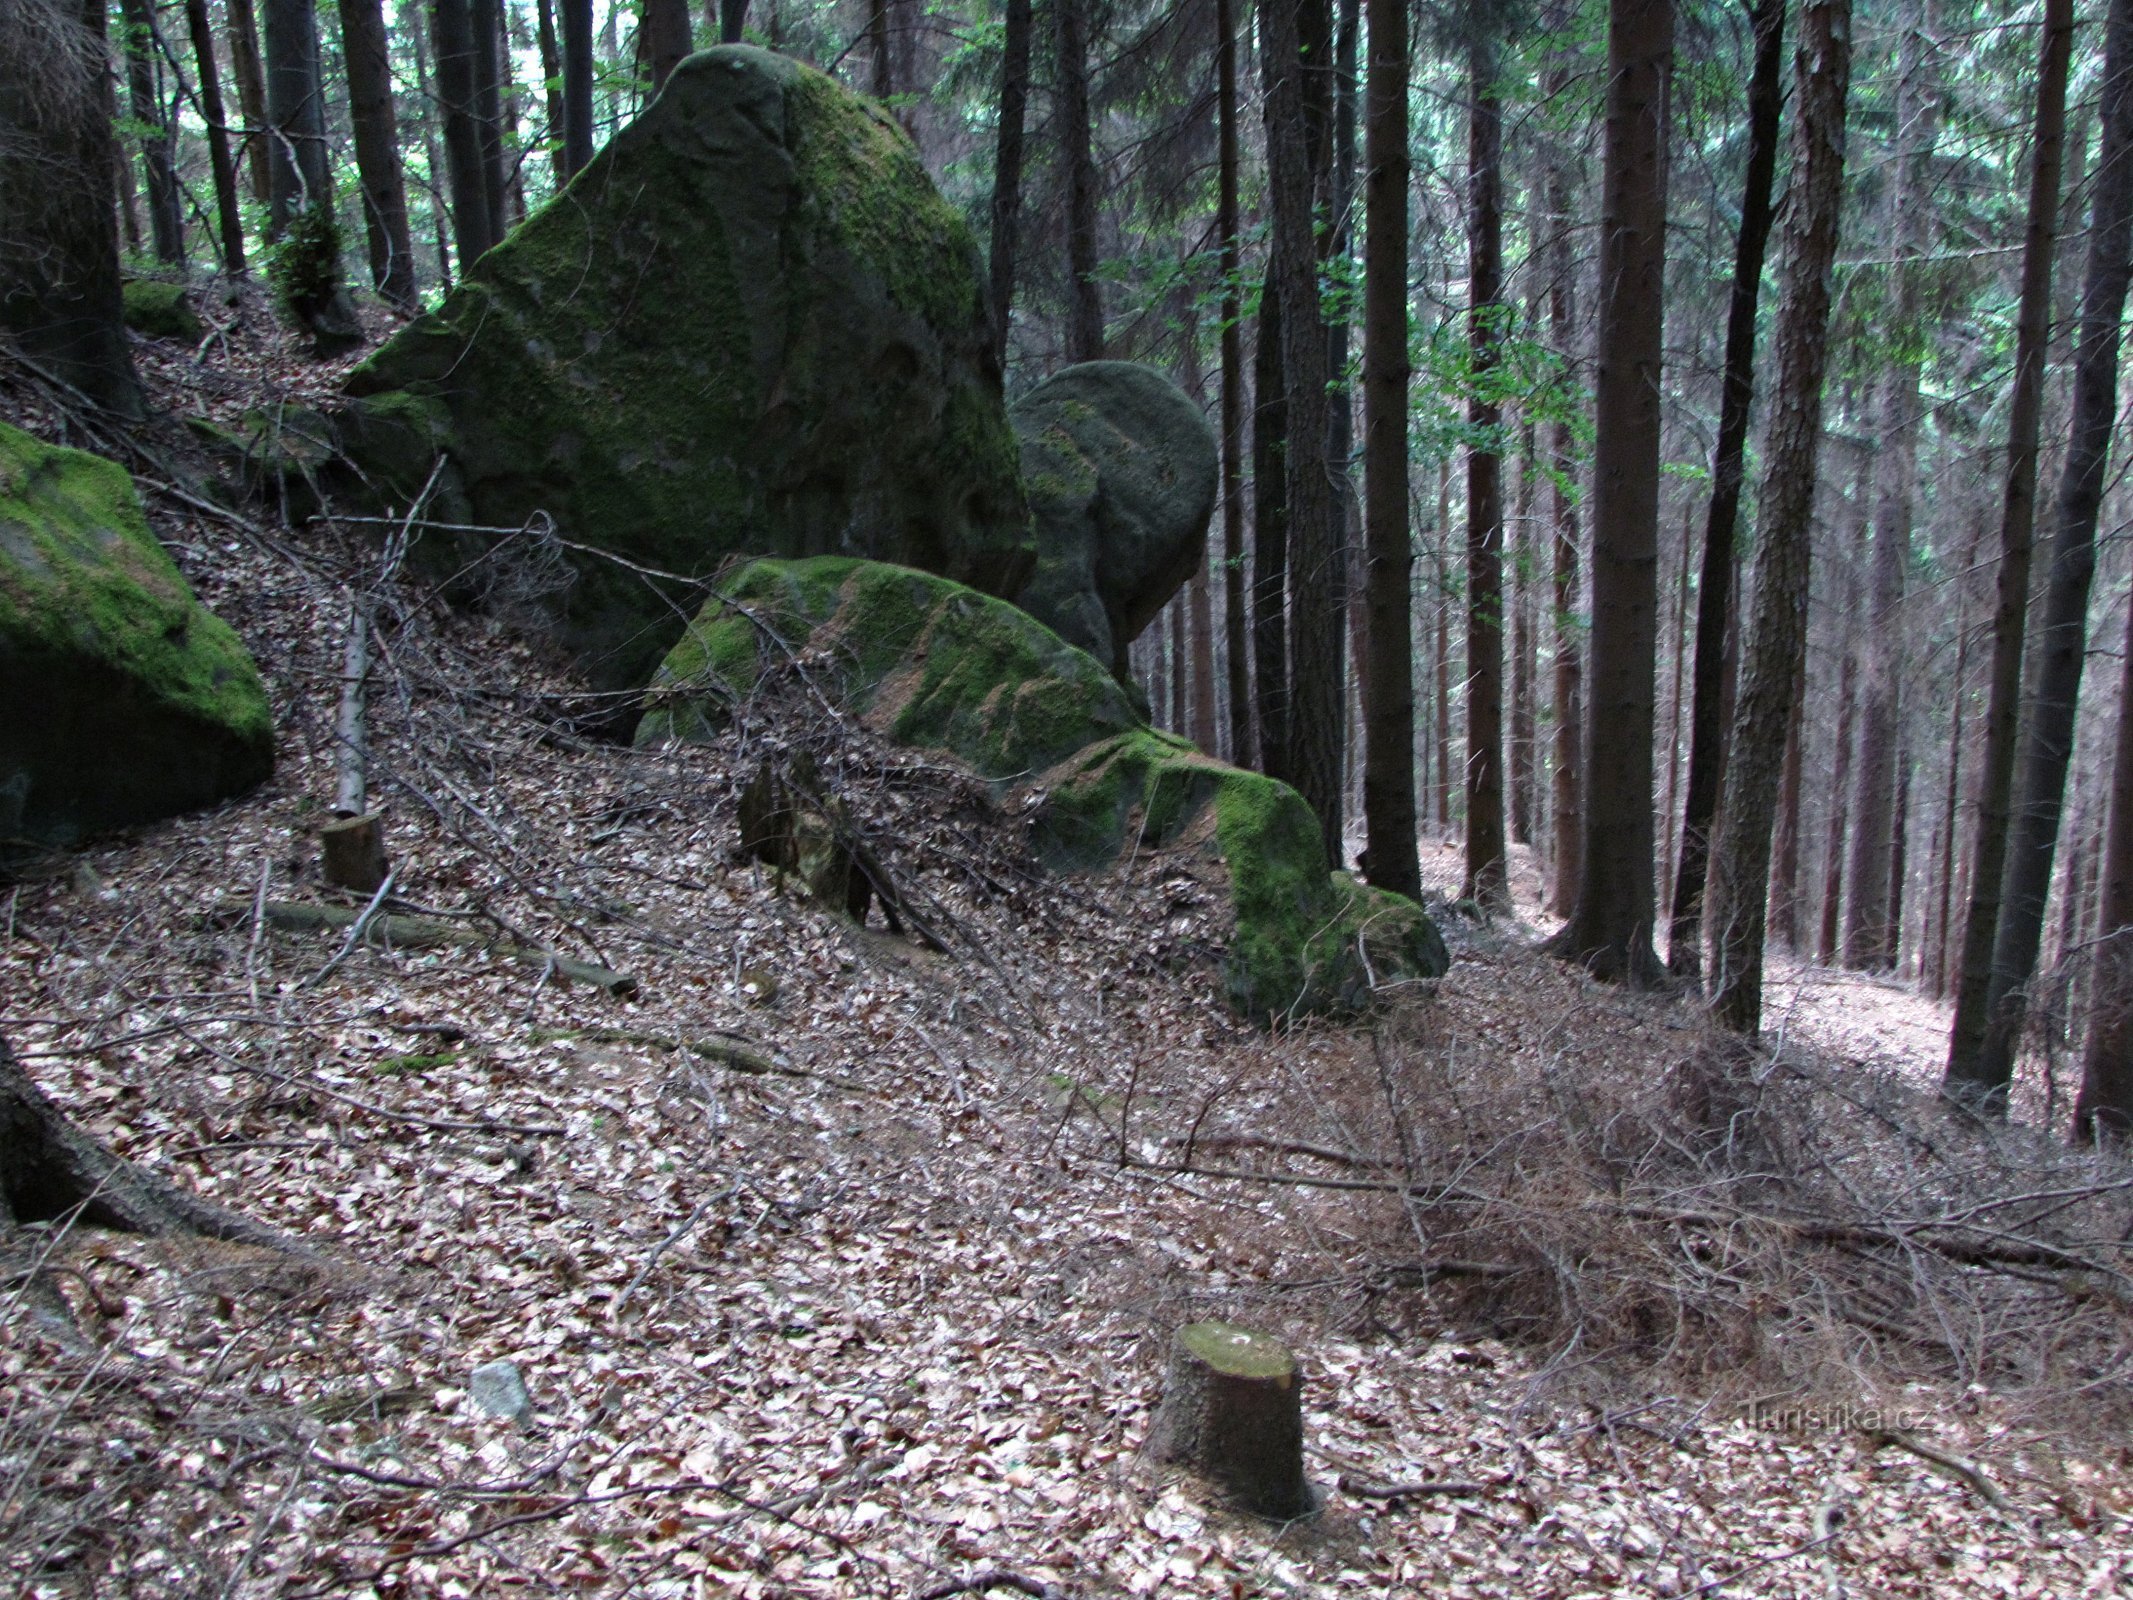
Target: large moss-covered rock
[(127, 699), (750, 324), (1121, 471), (936, 665)]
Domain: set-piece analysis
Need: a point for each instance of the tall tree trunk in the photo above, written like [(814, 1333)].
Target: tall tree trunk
[(1610, 928), (2103, 1111), (1785, 873), (1443, 719), (1868, 943), (303, 174), (1085, 309), (1832, 903), (1934, 978), (485, 22), (1487, 881), (412, 25), (2048, 739), (577, 147), (377, 142), (1270, 537), (59, 252), (1568, 689), (228, 217), (732, 20), (1234, 616), (1995, 789), (1898, 878), (1735, 897), (1680, 656), (247, 66), (1522, 647), (1389, 858), (1714, 595), (663, 38), (511, 39), (166, 216), (552, 85), (473, 222), (1007, 172)]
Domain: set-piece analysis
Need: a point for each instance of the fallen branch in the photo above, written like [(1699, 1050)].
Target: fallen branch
[(735, 1057), (417, 933), (987, 1581), (1967, 1472), (1450, 1488)]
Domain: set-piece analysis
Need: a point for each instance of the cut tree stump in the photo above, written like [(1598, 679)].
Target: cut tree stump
[(1232, 1410), (354, 852)]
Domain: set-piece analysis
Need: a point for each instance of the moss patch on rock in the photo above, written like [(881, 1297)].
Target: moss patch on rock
[(750, 325), (132, 700), (161, 310), (933, 664)]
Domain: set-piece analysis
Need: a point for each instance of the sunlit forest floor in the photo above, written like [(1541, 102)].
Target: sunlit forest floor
[(835, 1266)]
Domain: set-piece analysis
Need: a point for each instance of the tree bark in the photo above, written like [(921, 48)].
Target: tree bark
[(2103, 1111), (1610, 927), (577, 86), (663, 38), (1270, 537), (1521, 752), (1443, 719), (1007, 172), (1981, 1082), (485, 24), (1232, 1409), (1735, 899), (1785, 872), (452, 30), (1832, 903), (1568, 688), (59, 251), (1714, 596), (1487, 880), (412, 25), (732, 20), (248, 68), (1995, 788), (1390, 860), (551, 84), (228, 217), (166, 216), (377, 142), (1085, 311), (1234, 616), (302, 173)]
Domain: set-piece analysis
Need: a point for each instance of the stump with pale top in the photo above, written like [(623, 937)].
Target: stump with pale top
[(1232, 1410)]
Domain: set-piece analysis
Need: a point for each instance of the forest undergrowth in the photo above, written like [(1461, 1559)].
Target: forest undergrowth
[(838, 1265)]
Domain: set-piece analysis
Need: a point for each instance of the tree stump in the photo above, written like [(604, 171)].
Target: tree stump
[(354, 849), (1232, 1410)]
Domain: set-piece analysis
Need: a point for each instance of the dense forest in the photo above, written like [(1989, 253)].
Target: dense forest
[(1665, 521)]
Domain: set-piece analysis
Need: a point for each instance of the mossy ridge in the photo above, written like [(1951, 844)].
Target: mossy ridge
[(148, 703)]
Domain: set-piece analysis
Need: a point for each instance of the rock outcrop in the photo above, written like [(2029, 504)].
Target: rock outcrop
[(933, 664), (1121, 471), (750, 324), (127, 699)]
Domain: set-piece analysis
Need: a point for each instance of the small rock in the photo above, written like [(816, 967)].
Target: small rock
[(497, 1388)]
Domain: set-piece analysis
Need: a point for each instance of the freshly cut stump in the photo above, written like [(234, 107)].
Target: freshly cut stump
[(354, 852), (1232, 1410)]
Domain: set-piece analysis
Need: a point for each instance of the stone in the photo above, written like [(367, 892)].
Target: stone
[(932, 664), (499, 1389), (1121, 470), (161, 310), (751, 324), (128, 700)]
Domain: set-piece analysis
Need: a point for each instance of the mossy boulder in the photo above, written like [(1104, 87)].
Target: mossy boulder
[(128, 699), (749, 324), (933, 664), (1120, 466), (161, 310)]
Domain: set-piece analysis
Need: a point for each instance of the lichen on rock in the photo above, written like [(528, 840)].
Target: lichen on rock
[(132, 701), (750, 324), (933, 664)]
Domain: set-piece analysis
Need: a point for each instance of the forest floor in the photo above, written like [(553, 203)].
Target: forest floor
[(836, 1266)]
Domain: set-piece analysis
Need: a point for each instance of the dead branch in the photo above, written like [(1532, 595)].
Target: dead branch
[(417, 933), (1964, 1471)]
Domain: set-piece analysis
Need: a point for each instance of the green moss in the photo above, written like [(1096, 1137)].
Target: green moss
[(1238, 1352), (161, 310)]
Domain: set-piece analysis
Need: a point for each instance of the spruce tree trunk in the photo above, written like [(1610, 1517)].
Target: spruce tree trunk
[(1832, 902), (1270, 537), (166, 217), (411, 24), (1085, 310), (1522, 752), (452, 30), (59, 250), (377, 142), (247, 66), (577, 85), (2103, 1112), (1007, 172), (1610, 928), (663, 39), (1390, 860), (732, 20), (1995, 787), (229, 218), (1714, 595), (1487, 880), (1236, 633), (552, 85), (1735, 898), (486, 33), (2047, 741), (302, 174), (1443, 720), (1568, 688), (1785, 872)]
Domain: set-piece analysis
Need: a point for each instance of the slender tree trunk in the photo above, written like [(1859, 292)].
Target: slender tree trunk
[(377, 142), (2017, 524), (412, 25), (228, 217), (485, 24), (247, 67), (1735, 897), (1443, 722), (303, 174), (1785, 875), (1680, 658), (1839, 789), (511, 38), (1007, 172), (1610, 928), (1935, 977), (2047, 740), (663, 39), (1568, 690), (1270, 537), (551, 85), (1899, 871), (2103, 1111), (732, 20), (1487, 878), (1234, 616), (166, 217), (577, 146), (1714, 596), (473, 222), (1522, 647), (1085, 310), (1389, 858)]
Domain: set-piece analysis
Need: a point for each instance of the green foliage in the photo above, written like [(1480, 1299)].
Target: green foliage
[(304, 265)]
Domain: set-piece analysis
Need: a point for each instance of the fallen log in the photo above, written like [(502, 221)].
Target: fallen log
[(396, 932)]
